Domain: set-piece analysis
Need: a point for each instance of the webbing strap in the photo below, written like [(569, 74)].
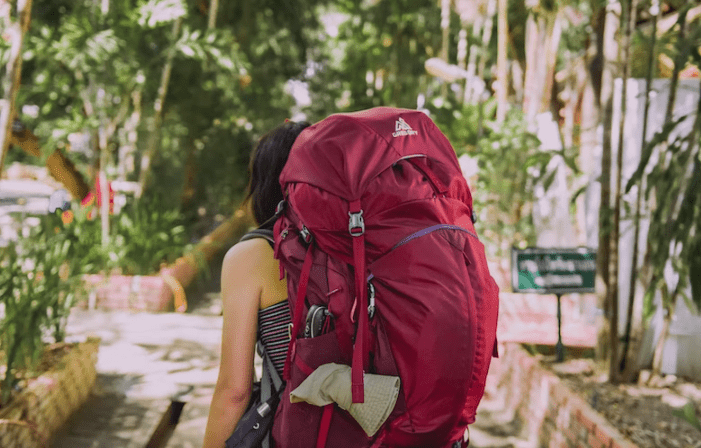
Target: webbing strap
[(299, 308), (324, 426), (360, 351)]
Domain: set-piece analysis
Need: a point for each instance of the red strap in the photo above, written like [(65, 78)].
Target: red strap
[(360, 351), (324, 426), (299, 307)]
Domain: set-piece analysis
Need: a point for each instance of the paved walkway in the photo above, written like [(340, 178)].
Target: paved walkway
[(147, 360)]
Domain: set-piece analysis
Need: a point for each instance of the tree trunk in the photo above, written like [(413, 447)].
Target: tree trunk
[(445, 39), (129, 138), (629, 10), (60, 167), (502, 35), (607, 301), (678, 64), (543, 32), (189, 186), (630, 367), (659, 346), (11, 83), (155, 132), (486, 37), (212, 16)]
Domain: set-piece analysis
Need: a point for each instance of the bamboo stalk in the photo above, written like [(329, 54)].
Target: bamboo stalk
[(629, 16), (633, 336), (212, 17), (502, 33), (608, 48), (155, 134), (668, 304), (14, 73)]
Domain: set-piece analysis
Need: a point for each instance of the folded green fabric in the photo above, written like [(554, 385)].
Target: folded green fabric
[(331, 383)]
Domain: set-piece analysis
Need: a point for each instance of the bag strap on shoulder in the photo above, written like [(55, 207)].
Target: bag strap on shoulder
[(270, 371), (271, 387), (259, 233)]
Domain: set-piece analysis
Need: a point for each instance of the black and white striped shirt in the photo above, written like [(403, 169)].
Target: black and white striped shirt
[(273, 324)]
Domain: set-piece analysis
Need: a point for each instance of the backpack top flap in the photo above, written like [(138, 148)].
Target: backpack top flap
[(343, 153)]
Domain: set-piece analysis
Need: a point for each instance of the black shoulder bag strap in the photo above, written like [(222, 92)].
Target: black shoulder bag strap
[(271, 386), (259, 233)]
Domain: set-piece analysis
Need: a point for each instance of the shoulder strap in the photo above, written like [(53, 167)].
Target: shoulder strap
[(259, 233), (271, 387), (273, 378)]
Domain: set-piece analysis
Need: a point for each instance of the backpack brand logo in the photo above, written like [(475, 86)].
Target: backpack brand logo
[(402, 128)]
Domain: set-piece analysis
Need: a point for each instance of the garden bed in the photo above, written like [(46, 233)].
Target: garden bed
[(570, 404), (659, 412), (553, 415), (66, 374)]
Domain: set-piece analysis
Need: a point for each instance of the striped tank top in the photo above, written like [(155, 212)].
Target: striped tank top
[(273, 332)]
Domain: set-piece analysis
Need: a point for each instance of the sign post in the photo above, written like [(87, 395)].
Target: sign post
[(554, 271)]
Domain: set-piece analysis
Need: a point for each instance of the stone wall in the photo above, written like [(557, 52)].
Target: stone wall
[(49, 400), (552, 414)]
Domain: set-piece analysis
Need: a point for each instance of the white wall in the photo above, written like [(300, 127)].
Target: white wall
[(681, 350)]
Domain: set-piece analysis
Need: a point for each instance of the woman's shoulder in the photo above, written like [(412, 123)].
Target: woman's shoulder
[(253, 251)]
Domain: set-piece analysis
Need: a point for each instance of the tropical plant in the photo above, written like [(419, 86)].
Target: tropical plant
[(511, 166), (21, 316), (147, 236), (38, 285)]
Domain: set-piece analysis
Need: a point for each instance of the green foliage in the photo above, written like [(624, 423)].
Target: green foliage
[(143, 236), (672, 178), (40, 277), (377, 58), (89, 71), (688, 413), (147, 236), (39, 280), (22, 312)]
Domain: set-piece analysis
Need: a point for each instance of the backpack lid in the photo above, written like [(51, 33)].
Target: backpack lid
[(343, 153)]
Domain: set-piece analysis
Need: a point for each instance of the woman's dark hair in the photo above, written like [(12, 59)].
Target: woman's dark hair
[(267, 161)]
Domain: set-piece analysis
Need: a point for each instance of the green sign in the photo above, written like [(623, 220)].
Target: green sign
[(553, 271)]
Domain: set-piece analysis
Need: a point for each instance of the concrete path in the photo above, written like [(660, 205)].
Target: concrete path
[(147, 360)]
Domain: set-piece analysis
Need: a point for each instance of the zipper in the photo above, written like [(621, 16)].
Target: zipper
[(431, 229), (410, 156)]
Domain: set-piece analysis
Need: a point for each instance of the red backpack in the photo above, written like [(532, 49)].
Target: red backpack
[(377, 227)]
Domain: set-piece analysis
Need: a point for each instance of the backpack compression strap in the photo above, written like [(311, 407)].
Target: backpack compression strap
[(299, 308), (361, 353)]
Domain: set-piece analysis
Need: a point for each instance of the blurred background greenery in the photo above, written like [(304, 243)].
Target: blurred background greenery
[(167, 98)]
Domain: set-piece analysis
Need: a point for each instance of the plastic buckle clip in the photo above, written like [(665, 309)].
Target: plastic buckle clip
[(356, 225), (306, 235), (279, 208), (371, 300)]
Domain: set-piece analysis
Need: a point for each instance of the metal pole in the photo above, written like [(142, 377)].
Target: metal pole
[(559, 347)]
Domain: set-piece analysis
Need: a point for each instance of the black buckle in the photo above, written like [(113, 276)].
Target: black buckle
[(356, 225)]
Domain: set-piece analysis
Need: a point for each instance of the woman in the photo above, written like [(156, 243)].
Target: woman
[(253, 296)]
